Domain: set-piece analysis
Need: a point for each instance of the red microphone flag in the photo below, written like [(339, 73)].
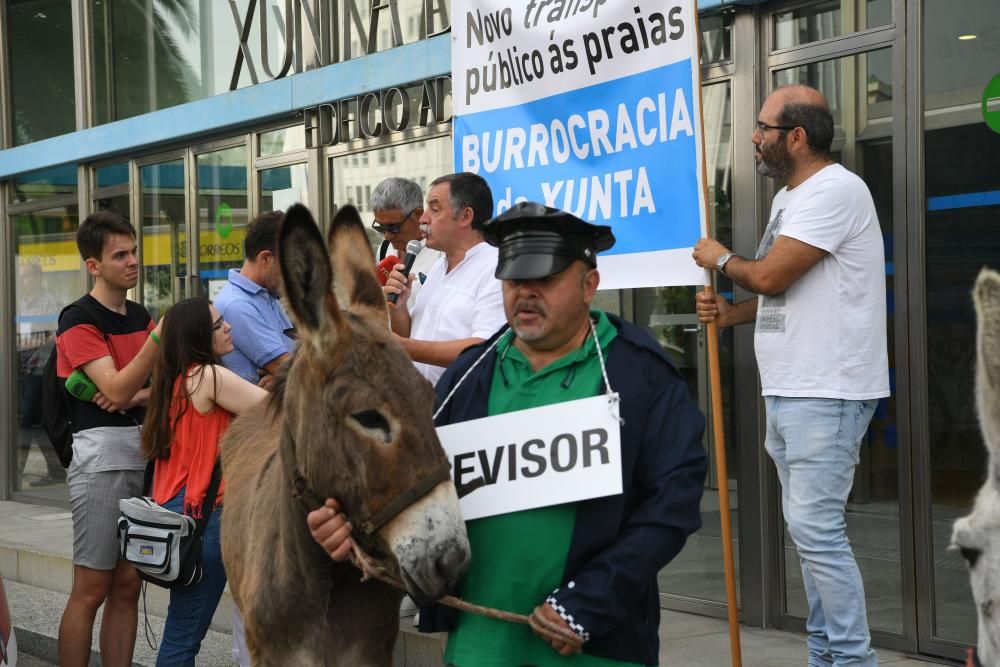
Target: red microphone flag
[(385, 267)]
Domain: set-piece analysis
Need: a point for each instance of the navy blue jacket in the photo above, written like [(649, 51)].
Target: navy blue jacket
[(620, 542)]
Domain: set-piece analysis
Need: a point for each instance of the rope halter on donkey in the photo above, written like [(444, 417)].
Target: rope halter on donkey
[(364, 538), (550, 631)]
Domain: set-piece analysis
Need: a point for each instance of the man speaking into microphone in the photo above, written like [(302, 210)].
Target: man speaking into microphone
[(460, 303), (398, 204)]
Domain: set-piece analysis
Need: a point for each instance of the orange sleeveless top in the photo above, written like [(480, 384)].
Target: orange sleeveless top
[(193, 452)]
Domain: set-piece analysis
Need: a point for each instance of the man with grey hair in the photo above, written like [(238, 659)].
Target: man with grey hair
[(398, 204)]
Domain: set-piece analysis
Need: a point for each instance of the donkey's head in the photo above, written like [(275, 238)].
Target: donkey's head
[(357, 413), (978, 535)]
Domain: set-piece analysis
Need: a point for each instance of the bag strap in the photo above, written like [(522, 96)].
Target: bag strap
[(147, 478), (208, 504)]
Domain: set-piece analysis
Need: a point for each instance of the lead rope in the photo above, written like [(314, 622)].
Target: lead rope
[(549, 630)]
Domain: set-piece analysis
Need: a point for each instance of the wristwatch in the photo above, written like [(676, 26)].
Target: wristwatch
[(720, 264)]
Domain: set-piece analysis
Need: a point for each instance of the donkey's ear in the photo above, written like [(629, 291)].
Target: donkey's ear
[(305, 269), (986, 296), (354, 278)]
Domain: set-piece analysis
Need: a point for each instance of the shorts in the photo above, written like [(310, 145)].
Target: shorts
[(93, 498)]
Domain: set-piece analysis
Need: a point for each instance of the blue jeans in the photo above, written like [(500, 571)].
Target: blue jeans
[(191, 608), (814, 443)]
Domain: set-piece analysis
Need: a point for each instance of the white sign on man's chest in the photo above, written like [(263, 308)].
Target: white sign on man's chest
[(555, 454)]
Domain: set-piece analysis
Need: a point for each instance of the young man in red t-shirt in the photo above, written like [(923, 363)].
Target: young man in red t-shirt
[(116, 350)]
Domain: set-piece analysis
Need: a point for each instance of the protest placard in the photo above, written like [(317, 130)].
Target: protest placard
[(533, 458), (590, 106)]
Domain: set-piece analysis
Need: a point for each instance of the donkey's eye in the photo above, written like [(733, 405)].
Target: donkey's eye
[(970, 555), (373, 420)]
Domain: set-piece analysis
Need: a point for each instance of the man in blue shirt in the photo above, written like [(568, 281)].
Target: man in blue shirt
[(249, 303)]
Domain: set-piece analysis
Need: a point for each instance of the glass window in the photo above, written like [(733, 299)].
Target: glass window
[(112, 174), (164, 239), (716, 38), (283, 186), (155, 54), (49, 276), (827, 19), (44, 183), (43, 101), (222, 215), (859, 90), (861, 110), (112, 191), (960, 56), (430, 158), (961, 235), (284, 140)]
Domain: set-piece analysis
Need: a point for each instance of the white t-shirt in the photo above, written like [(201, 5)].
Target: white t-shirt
[(465, 302), (825, 337), (421, 265)]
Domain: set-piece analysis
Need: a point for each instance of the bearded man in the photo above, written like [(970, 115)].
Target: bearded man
[(821, 349)]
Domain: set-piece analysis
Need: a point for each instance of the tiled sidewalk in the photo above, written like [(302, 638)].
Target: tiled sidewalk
[(36, 543)]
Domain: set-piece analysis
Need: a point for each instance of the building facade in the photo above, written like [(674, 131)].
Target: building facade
[(193, 116)]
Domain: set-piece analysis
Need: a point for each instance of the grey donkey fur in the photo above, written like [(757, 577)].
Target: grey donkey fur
[(977, 535)]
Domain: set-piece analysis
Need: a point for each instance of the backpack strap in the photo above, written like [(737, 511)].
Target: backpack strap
[(383, 250), (92, 313)]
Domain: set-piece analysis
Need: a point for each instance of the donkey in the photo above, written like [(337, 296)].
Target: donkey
[(977, 536), (350, 419)]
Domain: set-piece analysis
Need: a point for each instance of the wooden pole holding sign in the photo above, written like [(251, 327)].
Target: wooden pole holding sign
[(718, 432), (718, 427)]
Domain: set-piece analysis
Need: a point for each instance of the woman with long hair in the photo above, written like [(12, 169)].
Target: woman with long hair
[(192, 400)]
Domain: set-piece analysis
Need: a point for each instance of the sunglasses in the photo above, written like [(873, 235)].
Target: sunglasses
[(394, 227)]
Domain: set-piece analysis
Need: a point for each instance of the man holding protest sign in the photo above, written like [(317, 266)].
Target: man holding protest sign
[(588, 566), (821, 349)]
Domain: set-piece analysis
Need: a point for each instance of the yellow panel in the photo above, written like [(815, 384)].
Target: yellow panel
[(64, 256), (52, 256)]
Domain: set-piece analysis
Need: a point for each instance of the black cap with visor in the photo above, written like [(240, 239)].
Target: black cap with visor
[(537, 241)]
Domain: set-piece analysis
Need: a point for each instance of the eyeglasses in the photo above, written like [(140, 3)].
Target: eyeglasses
[(394, 227), (764, 127), (218, 324)]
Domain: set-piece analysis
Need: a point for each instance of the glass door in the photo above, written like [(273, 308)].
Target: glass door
[(961, 202), (163, 234), (49, 275), (860, 91), (222, 215), (668, 314)]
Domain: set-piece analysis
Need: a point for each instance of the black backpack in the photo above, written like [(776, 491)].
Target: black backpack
[(56, 406)]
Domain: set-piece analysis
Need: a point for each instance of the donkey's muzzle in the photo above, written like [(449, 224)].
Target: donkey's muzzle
[(429, 542)]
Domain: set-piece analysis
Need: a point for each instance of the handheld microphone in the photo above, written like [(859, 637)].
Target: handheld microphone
[(412, 249), (384, 268)]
